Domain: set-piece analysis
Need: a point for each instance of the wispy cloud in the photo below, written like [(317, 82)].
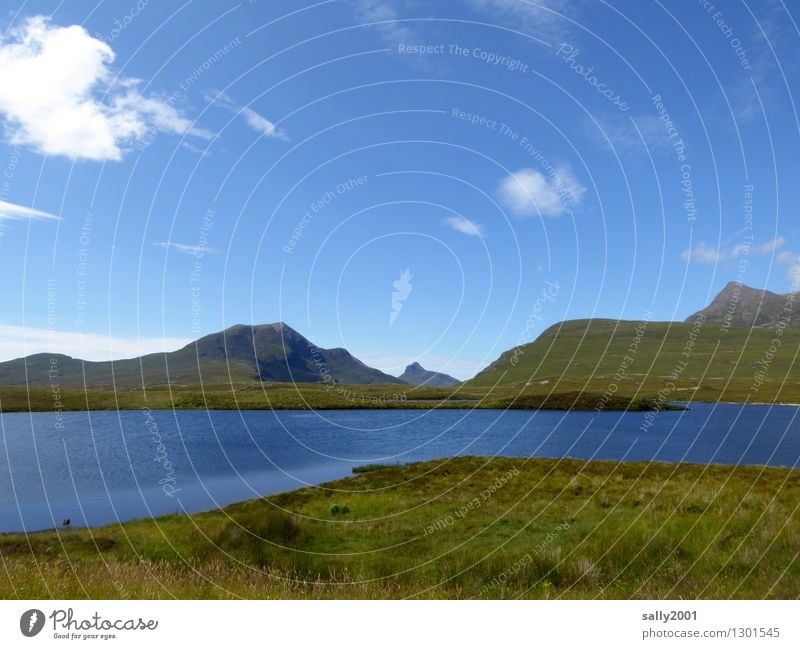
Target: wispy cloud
[(791, 261), (703, 253), (464, 226), (16, 342), (537, 16), (20, 212), (540, 17), (402, 289), (195, 149), (60, 96), (530, 193), (771, 245), (185, 248), (255, 120), (384, 14), (768, 45), (631, 135)]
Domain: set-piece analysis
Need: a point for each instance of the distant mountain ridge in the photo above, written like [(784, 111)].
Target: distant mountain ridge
[(738, 305), (242, 353), (276, 352), (415, 374)]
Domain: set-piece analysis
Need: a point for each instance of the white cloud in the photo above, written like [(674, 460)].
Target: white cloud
[(156, 114), (256, 121), (12, 211), (533, 15), (737, 251), (464, 226), (703, 253), (791, 261), (539, 17), (262, 124), (59, 95), (762, 78), (385, 14), (16, 342), (185, 248), (529, 193), (794, 276), (194, 149), (771, 245), (630, 135)]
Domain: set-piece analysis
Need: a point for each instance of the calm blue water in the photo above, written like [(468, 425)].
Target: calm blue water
[(101, 467)]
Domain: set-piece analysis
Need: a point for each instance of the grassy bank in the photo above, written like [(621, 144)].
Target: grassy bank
[(303, 396), (459, 528)]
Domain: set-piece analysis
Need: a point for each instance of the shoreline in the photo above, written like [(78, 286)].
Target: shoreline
[(573, 525), (359, 471)]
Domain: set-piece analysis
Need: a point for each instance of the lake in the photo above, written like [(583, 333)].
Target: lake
[(100, 467)]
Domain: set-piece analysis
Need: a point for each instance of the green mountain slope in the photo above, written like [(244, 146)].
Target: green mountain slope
[(681, 361), (240, 354)]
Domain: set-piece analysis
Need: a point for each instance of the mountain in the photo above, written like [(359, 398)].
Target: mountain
[(738, 305), (242, 353), (415, 374), (732, 342), (675, 360)]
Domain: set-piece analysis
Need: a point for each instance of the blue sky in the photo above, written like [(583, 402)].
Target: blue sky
[(413, 180)]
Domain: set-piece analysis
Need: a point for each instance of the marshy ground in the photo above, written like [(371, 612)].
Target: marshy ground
[(459, 528)]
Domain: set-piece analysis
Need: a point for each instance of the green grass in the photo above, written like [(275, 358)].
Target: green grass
[(458, 528), (302, 396), (366, 468), (587, 356)]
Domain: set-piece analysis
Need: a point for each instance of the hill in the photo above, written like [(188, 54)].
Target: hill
[(738, 305), (676, 361), (576, 363), (415, 374), (240, 354)]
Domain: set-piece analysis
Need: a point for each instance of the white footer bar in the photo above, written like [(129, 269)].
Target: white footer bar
[(389, 624)]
